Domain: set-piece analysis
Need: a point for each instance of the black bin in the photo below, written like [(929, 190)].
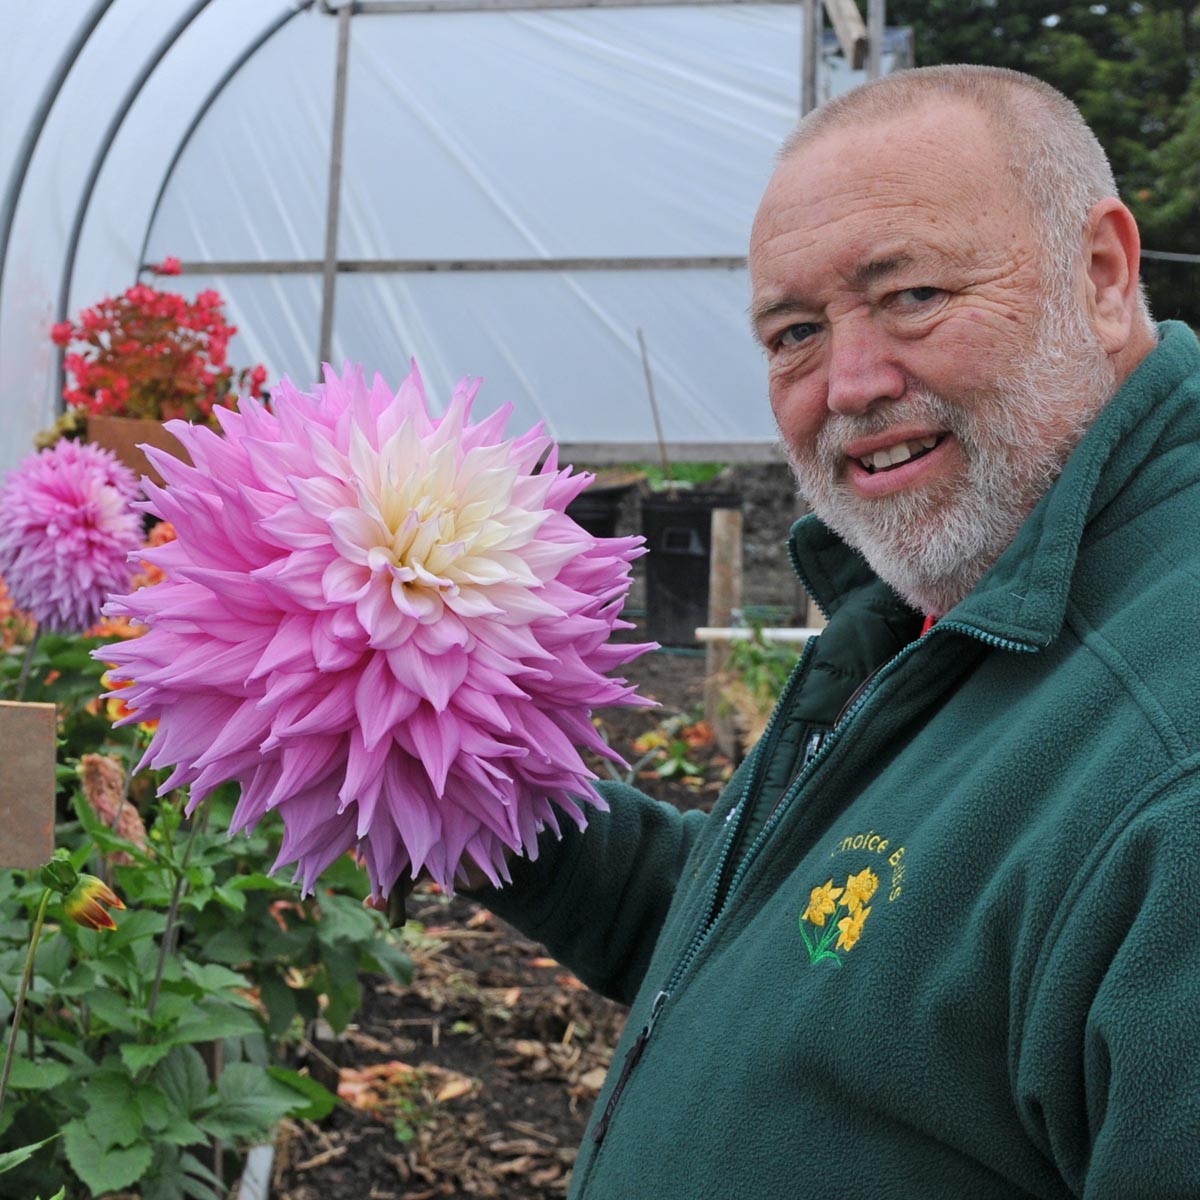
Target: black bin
[(678, 535), (597, 510)]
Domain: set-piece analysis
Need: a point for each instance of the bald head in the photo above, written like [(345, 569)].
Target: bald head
[(1053, 158)]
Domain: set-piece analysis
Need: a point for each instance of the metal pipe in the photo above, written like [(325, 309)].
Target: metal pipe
[(810, 52), (417, 266), (106, 141), (333, 200), (406, 8), (37, 122), (876, 22), (240, 61)]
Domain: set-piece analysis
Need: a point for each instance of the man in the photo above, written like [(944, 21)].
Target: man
[(938, 937)]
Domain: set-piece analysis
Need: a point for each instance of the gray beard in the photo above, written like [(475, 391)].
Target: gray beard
[(934, 544)]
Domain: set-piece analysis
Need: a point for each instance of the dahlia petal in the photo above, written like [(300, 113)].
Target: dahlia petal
[(434, 743), (380, 705)]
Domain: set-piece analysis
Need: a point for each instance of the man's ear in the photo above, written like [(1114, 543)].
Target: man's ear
[(1112, 255)]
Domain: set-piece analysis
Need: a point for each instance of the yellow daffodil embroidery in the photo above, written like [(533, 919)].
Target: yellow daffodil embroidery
[(851, 929), (829, 901), (822, 903), (860, 888)]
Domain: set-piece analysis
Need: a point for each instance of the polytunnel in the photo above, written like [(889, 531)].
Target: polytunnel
[(521, 186)]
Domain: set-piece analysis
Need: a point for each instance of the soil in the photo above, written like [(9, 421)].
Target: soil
[(477, 1079)]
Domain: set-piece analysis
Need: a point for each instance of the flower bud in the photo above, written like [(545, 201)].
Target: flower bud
[(89, 902), (58, 874)]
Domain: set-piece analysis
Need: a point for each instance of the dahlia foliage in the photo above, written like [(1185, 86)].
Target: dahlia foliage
[(68, 528), (381, 623)]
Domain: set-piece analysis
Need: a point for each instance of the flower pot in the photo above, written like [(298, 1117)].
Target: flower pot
[(27, 783), (123, 436)]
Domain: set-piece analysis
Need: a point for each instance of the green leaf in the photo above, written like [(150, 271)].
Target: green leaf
[(37, 1076), (111, 1116), (177, 1174), (153, 1105), (103, 1170), (14, 1158), (321, 1100), (257, 881), (183, 1078), (111, 1008), (212, 977), (281, 1005), (229, 946), (137, 1057), (54, 957), (132, 926), (344, 921), (231, 897), (390, 960), (211, 1023), (248, 1103)]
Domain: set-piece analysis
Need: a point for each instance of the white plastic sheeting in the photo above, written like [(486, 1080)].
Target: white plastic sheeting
[(642, 132)]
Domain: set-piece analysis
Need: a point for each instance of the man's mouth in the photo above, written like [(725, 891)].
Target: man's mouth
[(892, 456)]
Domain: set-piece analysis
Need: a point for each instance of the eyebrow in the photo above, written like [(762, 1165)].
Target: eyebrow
[(762, 312), (880, 268), (866, 273)]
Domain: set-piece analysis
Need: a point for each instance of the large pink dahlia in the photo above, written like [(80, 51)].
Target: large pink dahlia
[(67, 526), (381, 623)]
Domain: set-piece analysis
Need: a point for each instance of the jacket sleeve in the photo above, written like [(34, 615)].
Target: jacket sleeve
[(597, 899), (1109, 1068)]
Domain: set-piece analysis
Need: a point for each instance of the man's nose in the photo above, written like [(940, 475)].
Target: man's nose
[(861, 370)]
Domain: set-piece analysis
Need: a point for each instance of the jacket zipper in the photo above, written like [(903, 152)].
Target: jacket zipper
[(634, 1055)]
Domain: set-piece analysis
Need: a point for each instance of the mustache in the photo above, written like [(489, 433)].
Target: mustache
[(919, 406)]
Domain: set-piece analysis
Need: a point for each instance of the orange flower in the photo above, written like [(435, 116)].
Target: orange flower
[(89, 901)]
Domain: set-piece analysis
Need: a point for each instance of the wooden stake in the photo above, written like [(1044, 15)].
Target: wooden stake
[(658, 429), (27, 756), (724, 596)]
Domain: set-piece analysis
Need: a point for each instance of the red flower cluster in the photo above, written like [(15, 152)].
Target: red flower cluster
[(148, 353)]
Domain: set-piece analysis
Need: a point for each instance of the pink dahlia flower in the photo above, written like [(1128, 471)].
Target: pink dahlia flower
[(381, 623), (67, 530)]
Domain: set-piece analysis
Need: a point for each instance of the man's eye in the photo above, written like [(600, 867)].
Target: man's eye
[(793, 335), (920, 295)]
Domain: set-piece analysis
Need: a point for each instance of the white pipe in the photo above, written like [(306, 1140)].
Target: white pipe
[(742, 633)]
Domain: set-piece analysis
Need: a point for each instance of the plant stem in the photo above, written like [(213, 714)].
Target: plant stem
[(168, 936), (19, 1010), (26, 663)]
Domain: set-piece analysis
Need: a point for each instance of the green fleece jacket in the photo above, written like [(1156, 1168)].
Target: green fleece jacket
[(951, 948)]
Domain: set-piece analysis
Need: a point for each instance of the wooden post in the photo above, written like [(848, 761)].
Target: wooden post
[(27, 756), (851, 32), (724, 595)]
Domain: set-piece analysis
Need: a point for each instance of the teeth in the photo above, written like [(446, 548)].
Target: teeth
[(892, 456)]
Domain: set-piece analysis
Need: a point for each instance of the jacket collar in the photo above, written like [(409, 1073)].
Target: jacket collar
[(1023, 598)]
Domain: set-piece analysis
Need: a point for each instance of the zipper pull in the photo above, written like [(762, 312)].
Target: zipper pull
[(632, 1057)]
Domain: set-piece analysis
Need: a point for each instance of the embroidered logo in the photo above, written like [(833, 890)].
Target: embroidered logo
[(824, 905)]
